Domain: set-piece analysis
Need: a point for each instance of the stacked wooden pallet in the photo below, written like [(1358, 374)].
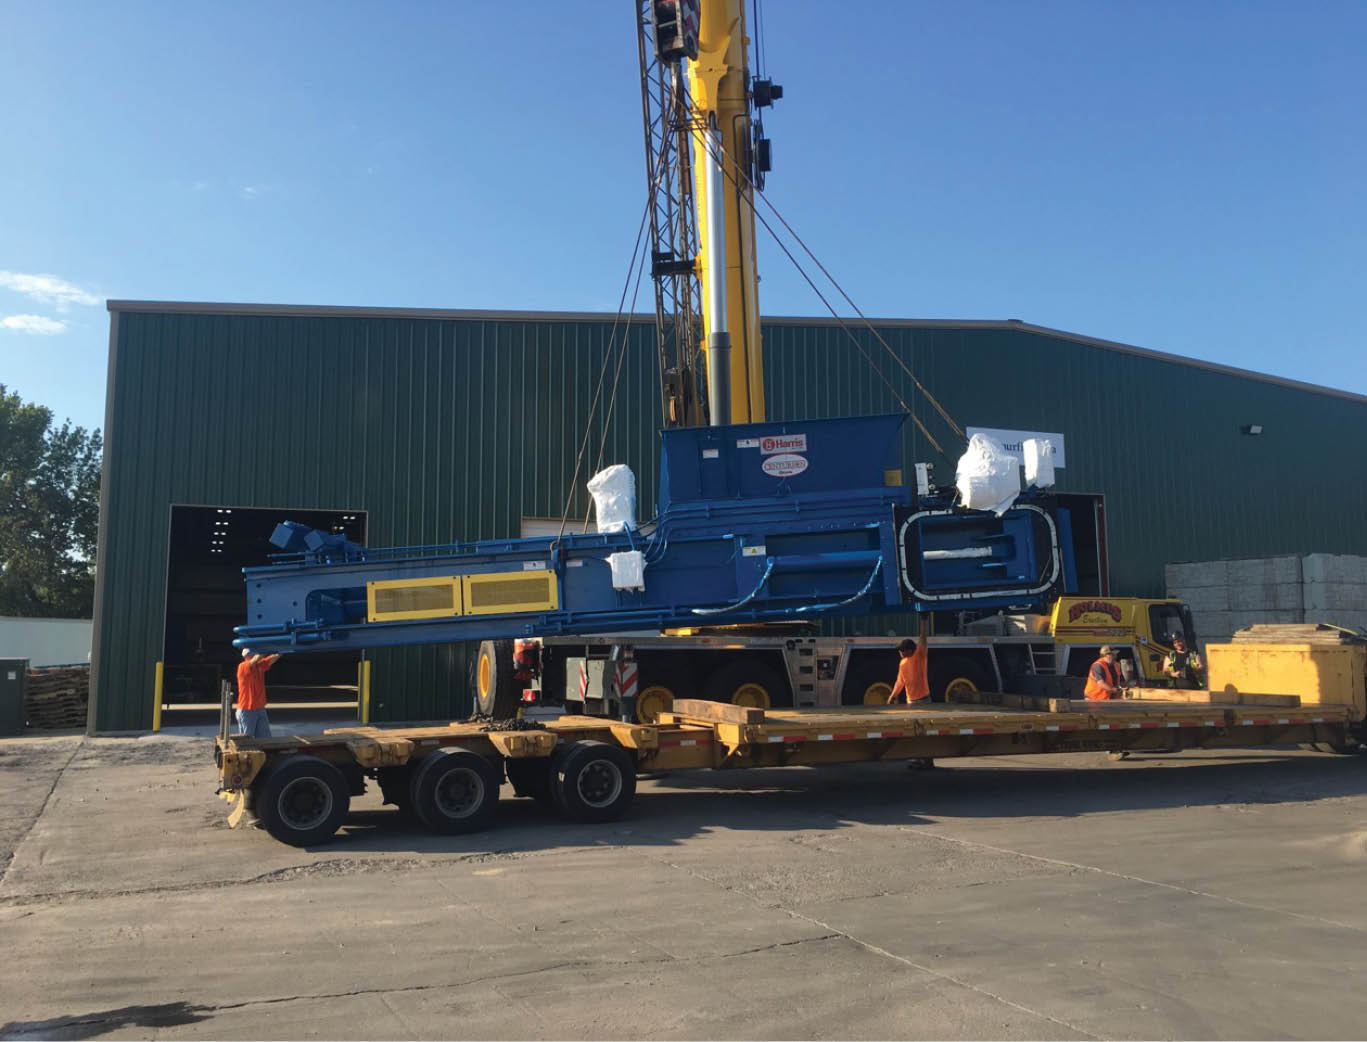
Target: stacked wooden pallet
[(58, 697), (1296, 633)]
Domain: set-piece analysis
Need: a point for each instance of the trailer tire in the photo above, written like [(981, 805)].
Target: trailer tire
[(957, 675), (593, 782), (748, 682), (303, 801), (531, 777), (455, 791), (496, 693)]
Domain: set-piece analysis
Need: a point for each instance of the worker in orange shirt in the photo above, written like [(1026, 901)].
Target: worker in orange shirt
[(251, 694), (1103, 678), (911, 670)]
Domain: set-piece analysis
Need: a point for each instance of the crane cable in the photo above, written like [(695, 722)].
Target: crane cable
[(636, 255), (727, 166)]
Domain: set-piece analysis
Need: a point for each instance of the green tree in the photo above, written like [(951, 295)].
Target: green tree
[(49, 512)]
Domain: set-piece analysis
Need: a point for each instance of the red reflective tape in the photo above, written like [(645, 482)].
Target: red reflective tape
[(983, 730), (794, 737), (1152, 723), (892, 734), (845, 737)]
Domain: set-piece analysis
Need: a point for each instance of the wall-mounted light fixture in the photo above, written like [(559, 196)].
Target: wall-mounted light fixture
[(1252, 428)]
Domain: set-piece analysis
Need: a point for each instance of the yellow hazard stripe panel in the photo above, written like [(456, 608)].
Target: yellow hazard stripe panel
[(437, 597), (507, 593)]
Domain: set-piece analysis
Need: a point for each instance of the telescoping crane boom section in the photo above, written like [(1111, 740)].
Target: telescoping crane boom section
[(756, 521)]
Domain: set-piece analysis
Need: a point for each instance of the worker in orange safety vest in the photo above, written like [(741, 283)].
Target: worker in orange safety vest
[(251, 694), (1103, 679), (911, 669)]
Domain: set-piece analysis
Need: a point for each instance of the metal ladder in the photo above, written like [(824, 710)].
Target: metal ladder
[(1043, 659)]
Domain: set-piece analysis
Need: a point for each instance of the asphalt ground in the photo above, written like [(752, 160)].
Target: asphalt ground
[(1198, 895)]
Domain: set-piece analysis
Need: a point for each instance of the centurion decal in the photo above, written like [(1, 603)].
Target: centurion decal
[(785, 465)]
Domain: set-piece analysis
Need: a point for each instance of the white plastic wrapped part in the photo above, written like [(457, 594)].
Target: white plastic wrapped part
[(1039, 462), (989, 477), (614, 498), (628, 570)]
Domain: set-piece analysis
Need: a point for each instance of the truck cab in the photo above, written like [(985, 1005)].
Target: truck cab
[(1141, 629)]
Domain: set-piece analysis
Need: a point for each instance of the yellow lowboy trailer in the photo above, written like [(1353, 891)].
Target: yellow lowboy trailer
[(449, 777)]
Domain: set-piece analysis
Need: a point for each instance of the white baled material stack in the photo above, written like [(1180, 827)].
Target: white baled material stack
[(614, 498), (1039, 462), (988, 477)]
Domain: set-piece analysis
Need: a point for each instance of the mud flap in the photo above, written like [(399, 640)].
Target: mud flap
[(239, 810)]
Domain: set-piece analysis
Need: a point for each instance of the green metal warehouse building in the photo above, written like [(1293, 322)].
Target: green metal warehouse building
[(408, 427)]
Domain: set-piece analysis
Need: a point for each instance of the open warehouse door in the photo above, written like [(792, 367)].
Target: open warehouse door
[(206, 551)]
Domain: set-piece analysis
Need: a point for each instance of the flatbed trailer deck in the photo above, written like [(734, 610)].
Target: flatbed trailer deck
[(449, 776)]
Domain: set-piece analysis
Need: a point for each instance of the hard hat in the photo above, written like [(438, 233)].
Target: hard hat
[(1106, 649)]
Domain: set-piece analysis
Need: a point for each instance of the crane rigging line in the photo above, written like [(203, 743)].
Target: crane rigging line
[(731, 169), (636, 256), (616, 378), (849, 332)]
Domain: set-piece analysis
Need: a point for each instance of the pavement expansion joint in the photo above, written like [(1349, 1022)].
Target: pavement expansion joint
[(41, 809), (869, 946), (331, 867), (1178, 888)]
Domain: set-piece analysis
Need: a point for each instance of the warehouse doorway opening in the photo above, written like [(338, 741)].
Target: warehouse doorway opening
[(206, 597)]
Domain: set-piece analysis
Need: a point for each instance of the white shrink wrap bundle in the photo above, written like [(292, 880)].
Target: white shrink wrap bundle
[(614, 498), (1039, 462), (988, 476)]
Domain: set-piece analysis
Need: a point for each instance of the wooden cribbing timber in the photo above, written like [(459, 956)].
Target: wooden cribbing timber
[(1297, 633), (57, 698)]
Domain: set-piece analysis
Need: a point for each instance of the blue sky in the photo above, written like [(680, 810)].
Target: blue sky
[(1183, 176)]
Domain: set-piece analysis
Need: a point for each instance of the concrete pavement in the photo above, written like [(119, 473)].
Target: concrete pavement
[(1191, 896)]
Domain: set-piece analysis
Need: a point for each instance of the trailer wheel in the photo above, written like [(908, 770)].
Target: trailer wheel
[(748, 682), (593, 782), (531, 777), (455, 790), (496, 693), (956, 676), (303, 801), (652, 701)]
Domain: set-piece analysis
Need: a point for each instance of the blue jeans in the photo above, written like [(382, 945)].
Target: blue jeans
[(253, 723)]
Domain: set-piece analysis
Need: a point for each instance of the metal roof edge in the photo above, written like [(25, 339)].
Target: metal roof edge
[(357, 311)]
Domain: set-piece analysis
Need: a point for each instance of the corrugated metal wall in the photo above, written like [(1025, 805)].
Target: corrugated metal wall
[(448, 426)]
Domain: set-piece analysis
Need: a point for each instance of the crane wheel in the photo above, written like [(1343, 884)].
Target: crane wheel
[(956, 676), (652, 701), (876, 694), (496, 693), (747, 682)]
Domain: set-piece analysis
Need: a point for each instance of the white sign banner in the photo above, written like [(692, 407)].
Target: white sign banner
[(1013, 441)]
